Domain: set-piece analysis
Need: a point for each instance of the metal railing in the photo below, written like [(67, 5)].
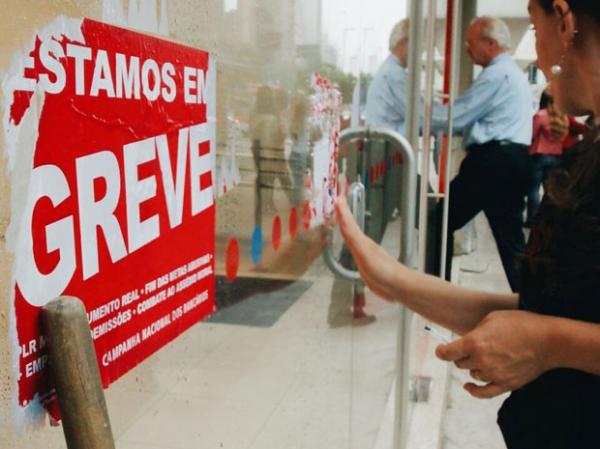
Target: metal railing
[(409, 148), (426, 138), (456, 8)]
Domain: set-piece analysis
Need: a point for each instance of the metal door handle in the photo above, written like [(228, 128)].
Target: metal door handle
[(357, 202)]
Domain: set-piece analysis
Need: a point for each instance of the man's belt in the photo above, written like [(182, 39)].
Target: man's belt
[(493, 143)]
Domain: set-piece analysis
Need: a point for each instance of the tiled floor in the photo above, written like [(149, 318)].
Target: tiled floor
[(303, 386), (470, 422), (297, 383)]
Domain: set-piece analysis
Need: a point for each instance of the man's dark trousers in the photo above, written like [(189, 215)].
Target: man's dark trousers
[(493, 178)]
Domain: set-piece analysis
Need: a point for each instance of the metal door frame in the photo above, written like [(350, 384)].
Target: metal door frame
[(407, 195)]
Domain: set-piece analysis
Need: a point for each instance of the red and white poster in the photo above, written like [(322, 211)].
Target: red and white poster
[(110, 141), (325, 113)]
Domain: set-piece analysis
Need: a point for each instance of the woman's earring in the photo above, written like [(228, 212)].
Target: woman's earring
[(557, 69)]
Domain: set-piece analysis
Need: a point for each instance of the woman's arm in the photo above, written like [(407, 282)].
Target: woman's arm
[(455, 308), (572, 344), (509, 349)]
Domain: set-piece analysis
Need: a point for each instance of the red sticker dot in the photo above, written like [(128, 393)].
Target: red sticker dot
[(293, 225), (306, 216), (232, 259), (276, 233)]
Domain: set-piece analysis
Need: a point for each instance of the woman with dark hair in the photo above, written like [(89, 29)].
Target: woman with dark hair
[(544, 343)]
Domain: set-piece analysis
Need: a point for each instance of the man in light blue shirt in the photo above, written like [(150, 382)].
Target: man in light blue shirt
[(385, 108), (497, 106), (386, 97), (495, 118)]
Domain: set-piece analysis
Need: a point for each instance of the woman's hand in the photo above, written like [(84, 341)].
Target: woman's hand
[(559, 124), (378, 269), (505, 351), (453, 307)]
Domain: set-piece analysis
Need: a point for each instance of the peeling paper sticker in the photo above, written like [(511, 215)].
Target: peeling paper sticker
[(326, 108), (110, 141)]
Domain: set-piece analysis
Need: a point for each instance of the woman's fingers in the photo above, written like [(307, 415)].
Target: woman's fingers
[(357, 242), (487, 391), (368, 256), (466, 363), (479, 376), (453, 352), (462, 358), (348, 226)]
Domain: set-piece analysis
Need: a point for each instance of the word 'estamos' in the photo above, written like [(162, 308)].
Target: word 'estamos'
[(115, 75)]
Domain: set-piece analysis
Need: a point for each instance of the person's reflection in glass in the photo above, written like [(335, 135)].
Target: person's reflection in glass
[(268, 148), (300, 134)]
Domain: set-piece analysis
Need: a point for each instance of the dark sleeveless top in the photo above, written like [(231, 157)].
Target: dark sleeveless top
[(560, 277)]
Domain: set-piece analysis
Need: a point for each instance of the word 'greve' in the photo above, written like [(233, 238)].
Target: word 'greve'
[(94, 214)]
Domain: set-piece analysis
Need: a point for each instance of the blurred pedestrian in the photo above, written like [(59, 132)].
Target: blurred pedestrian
[(550, 129)]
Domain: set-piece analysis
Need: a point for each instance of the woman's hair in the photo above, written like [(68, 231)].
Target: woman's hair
[(585, 7), (575, 188)]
